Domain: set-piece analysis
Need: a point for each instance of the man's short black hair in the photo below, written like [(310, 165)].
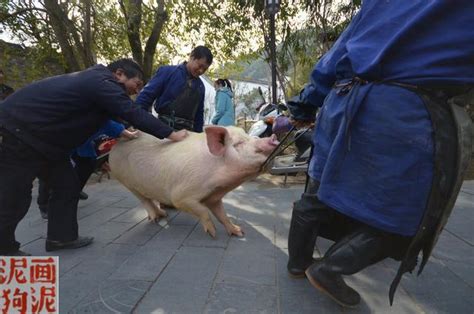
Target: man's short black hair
[(129, 67), (202, 52)]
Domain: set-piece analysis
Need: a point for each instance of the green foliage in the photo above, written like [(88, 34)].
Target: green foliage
[(235, 30)]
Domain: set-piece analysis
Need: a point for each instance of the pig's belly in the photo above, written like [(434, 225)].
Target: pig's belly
[(150, 185), (139, 175)]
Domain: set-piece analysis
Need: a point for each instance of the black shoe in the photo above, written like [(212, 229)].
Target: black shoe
[(83, 196), (16, 253), (333, 285), (44, 215), (59, 245)]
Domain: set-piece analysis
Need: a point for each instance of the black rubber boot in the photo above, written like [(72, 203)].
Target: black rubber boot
[(305, 221), (348, 256)]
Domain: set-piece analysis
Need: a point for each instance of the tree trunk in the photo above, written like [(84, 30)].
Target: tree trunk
[(58, 23), (150, 48), (133, 15), (89, 56)]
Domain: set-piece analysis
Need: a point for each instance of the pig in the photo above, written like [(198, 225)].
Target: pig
[(192, 175)]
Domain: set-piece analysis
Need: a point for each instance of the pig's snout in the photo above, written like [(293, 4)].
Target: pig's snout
[(268, 144)]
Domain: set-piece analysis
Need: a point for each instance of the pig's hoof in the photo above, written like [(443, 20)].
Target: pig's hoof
[(235, 230), (211, 231)]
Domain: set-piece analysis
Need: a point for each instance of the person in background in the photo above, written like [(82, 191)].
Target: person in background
[(391, 141), (224, 107), (42, 123), (84, 159), (5, 90), (178, 93)]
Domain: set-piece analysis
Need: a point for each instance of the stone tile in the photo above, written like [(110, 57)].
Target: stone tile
[(177, 268), (438, 290), (249, 260), (255, 237), (200, 238), (110, 231), (457, 256), (113, 296), (182, 218), (281, 235), (148, 261), (171, 236), (99, 217), (139, 234), (86, 209), (184, 286), (135, 214), (468, 186), (297, 295), (144, 264), (242, 298), (462, 218), (88, 275), (373, 284), (129, 201)]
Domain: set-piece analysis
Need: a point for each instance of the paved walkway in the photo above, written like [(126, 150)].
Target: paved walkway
[(174, 267)]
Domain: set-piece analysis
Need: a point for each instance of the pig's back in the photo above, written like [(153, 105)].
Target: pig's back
[(156, 168)]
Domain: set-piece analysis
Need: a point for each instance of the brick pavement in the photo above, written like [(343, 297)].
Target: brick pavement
[(173, 267)]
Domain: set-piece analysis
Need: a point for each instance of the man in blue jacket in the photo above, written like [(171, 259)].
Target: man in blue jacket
[(391, 140), (178, 93), (42, 123)]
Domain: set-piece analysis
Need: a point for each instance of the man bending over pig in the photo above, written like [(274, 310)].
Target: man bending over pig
[(42, 123)]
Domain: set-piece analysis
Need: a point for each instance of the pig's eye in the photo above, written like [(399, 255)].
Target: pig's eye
[(238, 143)]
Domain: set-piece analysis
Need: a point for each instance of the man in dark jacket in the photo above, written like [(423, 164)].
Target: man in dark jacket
[(42, 123), (178, 93)]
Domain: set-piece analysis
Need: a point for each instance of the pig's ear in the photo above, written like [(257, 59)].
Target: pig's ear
[(216, 139)]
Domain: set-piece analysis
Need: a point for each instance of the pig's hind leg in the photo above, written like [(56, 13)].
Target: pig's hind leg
[(155, 213), (217, 208)]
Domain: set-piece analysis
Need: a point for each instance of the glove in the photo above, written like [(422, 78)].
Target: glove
[(300, 110)]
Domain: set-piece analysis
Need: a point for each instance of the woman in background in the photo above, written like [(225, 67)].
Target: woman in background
[(224, 115)]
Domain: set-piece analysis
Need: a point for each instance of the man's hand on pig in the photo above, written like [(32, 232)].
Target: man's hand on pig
[(129, 135), (178, 136)]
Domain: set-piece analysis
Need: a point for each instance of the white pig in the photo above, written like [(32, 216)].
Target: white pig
[(192, 175)]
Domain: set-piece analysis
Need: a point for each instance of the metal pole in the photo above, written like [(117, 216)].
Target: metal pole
[(273, 57)]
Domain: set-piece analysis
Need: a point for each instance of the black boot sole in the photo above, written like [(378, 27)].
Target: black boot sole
[(315, 284)]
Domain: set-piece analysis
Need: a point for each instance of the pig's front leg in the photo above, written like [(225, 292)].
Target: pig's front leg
[(199, 210), (218, 210)]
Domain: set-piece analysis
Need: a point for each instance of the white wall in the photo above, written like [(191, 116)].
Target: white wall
[(209, 99)]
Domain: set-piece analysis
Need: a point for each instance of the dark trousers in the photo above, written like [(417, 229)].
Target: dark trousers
[(19, 166), (43, 194), (84, 168)]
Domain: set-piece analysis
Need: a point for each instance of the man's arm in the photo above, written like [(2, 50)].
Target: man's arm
[(112, 98), (153, 89)]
